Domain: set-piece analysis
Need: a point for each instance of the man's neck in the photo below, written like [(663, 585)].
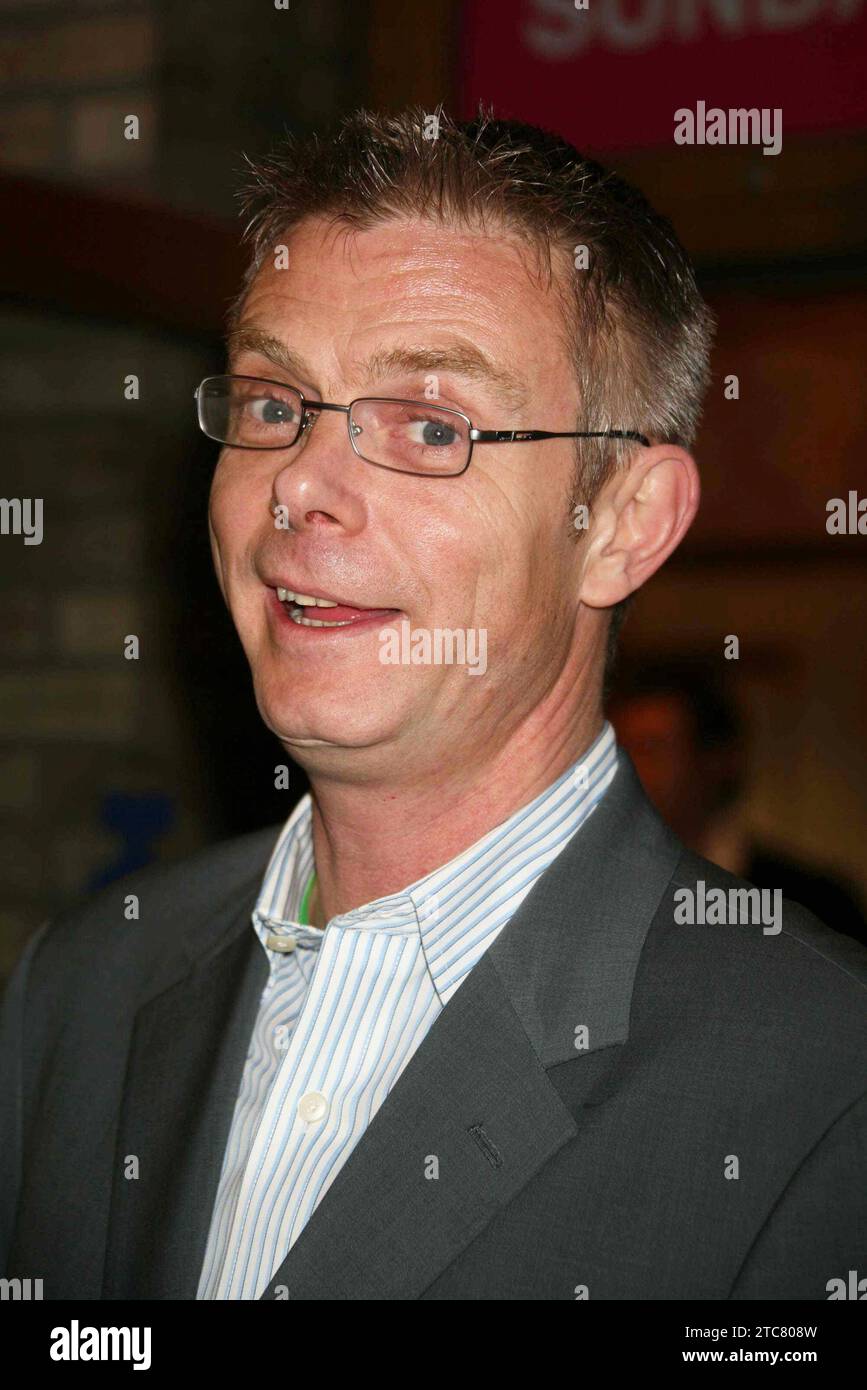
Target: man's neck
[(375, 839)]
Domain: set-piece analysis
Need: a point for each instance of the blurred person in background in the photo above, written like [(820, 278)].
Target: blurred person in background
[(681, 726)]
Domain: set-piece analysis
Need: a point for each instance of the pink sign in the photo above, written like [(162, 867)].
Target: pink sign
[(612, 75)]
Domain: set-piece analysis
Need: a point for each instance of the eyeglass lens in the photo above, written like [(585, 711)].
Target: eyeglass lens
[(410, 436)]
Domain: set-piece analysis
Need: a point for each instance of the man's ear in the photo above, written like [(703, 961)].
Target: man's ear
[(638, 518)]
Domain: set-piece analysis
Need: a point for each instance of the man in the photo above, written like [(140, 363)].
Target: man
[(681, 728), (445, 1035)]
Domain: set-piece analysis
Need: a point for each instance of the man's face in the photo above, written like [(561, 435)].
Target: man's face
[(490, 549)]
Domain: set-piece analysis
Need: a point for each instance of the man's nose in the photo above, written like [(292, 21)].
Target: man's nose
[(321, 474)]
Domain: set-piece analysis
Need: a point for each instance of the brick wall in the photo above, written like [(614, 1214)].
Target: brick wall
[(79, 724), (206, 79), (78, 721)]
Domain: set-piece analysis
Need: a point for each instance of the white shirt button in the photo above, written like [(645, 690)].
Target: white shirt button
[(280, 941), (312, 1107)]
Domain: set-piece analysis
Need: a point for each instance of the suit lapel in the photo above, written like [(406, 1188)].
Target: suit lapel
[(475, 1097), (468, 1124), (471, 1120), (186, 1061)]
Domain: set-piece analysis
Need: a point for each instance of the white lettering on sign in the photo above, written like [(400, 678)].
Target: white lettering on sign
[(557, 30)]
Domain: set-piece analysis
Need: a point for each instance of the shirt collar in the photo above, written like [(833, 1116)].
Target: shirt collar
[(456, 898)]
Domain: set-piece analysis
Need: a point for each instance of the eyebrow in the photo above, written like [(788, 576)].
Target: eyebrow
[(250, 339), (460, 358)]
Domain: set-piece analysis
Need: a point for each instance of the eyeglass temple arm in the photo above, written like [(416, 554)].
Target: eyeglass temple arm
[(524, 436)]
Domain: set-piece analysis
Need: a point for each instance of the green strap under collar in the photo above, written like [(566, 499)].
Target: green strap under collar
[(305, 902)]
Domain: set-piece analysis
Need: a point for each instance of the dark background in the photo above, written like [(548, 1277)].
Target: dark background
[(119, 258)]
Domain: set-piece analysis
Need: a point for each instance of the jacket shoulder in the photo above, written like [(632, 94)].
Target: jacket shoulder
[(755, 976), (179, 907), (703, 894)]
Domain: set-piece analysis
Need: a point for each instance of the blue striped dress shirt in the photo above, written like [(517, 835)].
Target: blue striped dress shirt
[(345, 1008)]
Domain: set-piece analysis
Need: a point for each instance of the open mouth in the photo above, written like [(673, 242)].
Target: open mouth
[(300, 608)]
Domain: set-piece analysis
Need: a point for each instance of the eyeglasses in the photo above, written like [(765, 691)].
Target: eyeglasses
[(414, 437)]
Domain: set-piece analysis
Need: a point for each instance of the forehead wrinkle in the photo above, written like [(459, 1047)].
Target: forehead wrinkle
[(460, 359)]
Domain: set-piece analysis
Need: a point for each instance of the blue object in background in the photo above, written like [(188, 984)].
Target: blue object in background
[(139, 819)]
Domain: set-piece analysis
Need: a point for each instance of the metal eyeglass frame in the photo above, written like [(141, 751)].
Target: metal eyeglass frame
[(309, 409)]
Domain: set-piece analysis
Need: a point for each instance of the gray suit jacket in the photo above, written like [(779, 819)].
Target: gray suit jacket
[(606, 1168)]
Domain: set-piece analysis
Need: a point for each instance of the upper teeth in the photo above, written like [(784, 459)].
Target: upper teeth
[(304, 600)]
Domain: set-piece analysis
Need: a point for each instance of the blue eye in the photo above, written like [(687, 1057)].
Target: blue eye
[(268, 411), (436, 433)]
